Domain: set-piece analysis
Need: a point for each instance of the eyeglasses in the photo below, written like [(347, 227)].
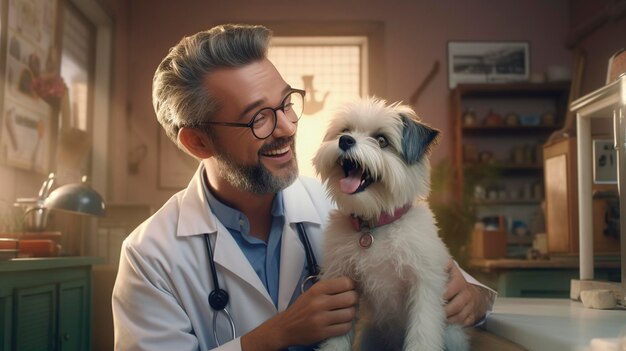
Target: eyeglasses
[(265, 120)]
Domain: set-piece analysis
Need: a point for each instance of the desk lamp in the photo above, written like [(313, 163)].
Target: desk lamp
[(77, 198)]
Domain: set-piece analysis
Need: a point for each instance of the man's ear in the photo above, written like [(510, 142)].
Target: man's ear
[(196, 142)]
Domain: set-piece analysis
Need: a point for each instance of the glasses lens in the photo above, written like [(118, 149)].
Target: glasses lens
[(263, 123), (294, 105)]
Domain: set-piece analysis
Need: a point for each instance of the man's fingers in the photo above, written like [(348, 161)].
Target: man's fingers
[(340, 316), (451, 291), (453, 287), (342, 300), (334, 286), (455, 305), (338, 329)]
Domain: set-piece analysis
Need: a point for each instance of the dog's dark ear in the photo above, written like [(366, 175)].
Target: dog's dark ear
[(416, 139)]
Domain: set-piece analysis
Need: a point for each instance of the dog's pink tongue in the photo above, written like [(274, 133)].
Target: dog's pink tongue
[(350, 183)]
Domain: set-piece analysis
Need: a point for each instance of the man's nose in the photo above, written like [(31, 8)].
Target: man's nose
[(284, 126)]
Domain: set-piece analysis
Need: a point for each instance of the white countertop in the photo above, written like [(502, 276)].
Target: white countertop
[(553, 324)]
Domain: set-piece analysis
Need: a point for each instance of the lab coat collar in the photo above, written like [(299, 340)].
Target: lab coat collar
[(194, 217)]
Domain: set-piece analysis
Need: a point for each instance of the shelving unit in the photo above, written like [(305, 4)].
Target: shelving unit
[(511, 153)]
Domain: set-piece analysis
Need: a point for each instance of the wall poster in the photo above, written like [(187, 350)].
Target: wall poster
[(31, 86)]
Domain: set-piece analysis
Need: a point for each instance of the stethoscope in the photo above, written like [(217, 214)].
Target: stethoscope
[(218, 298)]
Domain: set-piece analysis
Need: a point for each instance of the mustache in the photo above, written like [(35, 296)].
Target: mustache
[(276, 144)]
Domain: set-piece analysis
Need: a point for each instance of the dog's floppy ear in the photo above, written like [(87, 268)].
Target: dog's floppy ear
[(416, 139)]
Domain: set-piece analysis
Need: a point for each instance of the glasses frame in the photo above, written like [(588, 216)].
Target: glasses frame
[(251, 123)]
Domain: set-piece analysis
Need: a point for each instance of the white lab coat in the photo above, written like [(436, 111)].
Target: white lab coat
[(160, 298)]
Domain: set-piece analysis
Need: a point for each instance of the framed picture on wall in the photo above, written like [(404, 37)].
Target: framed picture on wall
[(487, 62), (30, 85)]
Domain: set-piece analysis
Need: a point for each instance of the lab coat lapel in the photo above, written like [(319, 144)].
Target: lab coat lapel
[(196, 219), (228, 255), (291, 264), (298, 209)]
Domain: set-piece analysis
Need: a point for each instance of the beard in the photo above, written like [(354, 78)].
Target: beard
[(256, 178)]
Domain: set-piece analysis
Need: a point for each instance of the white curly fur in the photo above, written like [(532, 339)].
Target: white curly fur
[(401, 277)]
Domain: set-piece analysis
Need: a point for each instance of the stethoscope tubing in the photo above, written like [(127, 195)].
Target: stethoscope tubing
[(230, 321), (219, 305)]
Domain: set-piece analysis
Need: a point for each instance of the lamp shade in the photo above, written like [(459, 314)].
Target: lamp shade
[(77, 198)]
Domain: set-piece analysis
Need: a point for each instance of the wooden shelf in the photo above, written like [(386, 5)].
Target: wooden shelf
[(509, 168), (530, 95), (561, 262), (481, 130), (512, 202), (512, 90)]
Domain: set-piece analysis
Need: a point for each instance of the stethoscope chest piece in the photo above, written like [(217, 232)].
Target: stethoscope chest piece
[(218, 299)]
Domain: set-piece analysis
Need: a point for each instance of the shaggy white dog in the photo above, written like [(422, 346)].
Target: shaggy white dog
[(374, 163)]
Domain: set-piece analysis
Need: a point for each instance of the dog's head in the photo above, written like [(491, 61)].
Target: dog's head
[(374, 157)]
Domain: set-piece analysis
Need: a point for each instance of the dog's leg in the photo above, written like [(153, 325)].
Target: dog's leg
[(455, 338), (426, 317)]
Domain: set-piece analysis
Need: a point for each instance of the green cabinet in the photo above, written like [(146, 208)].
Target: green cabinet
[(537, 278), (45, 303)]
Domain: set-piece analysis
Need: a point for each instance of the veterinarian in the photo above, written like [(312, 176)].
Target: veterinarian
[(241, 225)]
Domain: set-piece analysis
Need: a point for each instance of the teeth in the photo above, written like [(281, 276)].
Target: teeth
[(278, 151)]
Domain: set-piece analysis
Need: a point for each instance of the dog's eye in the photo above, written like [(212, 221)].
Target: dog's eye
[(382, 141)]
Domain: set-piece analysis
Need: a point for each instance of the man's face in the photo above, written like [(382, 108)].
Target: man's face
[(248, 163)]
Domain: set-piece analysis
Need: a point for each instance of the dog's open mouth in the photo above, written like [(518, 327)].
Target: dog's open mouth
[(356, 178)]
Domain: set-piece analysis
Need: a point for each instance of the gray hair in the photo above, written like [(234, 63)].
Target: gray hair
[(179, 96)]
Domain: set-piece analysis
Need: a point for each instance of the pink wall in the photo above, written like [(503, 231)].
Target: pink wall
[(416, 33), (601, 44)]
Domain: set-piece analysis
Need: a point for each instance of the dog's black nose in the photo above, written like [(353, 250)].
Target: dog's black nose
[(346, 142)]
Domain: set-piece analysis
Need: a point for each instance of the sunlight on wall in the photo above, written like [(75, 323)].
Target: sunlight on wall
[(332, 70)]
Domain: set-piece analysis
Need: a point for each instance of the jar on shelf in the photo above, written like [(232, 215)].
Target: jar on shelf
[(469, 117), (511, 119), (492, 119)]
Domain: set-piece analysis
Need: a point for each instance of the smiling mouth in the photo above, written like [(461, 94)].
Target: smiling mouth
[(356, 178), (277, 152)]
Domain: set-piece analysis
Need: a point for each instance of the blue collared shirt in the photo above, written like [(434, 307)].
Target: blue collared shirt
[(263, 257)]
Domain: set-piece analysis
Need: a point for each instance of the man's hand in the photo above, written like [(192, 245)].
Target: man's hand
[(325, 310), (466, 304)]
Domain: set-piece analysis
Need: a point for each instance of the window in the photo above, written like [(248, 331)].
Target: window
[(77, 65), (332, 70), (75, 118)]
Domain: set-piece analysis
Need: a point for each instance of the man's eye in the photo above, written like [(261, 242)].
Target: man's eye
[(382, 141), (287, 106), (261, 117)]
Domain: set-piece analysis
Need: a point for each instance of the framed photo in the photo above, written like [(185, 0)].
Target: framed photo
[(604, 162), (175, 168), (487, 62)]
